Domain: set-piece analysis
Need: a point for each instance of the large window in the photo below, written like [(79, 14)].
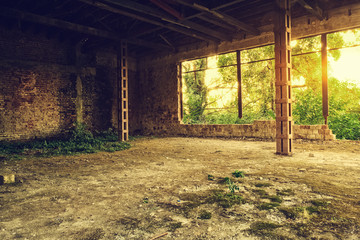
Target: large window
[(344, 83), (258, 83), (306, 81), (210, 85), (210, 89)]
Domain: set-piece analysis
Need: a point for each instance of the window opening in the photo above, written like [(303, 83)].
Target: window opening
[(258, 81), (344, 83), (210, 89), (211, 83), (306, 81)]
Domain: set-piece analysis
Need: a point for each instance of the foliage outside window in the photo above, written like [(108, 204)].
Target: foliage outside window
[(210, 89), (258, 83), (343, 82), (306, 81), (210, 85)]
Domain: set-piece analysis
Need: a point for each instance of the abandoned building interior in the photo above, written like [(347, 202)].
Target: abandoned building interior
[(237, 116), (121, 64)]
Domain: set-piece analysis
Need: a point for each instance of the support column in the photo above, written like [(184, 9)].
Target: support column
[(180, 93), (122, 87), (284, 122), (239, 93), (324, 63)]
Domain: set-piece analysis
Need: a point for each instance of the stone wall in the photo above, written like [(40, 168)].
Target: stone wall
[(259, 129), (44, 90)]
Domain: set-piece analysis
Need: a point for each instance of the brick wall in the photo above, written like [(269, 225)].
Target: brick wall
[(42, 90)]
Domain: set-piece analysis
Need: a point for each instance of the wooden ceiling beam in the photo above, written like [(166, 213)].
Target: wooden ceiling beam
[(197, 15), (30, 17), (313, 8), (217, 22), (165, 17), (172, 27), (226, 18), (168, 9)]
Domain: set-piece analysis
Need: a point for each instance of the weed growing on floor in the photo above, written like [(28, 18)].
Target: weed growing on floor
[(224, 199), (231, 185), (205, 214), (274, 198), (238, 174), (80, 141), (211, 177)]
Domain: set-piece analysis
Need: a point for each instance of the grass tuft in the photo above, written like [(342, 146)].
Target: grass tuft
[(80, 141), (225, 200)]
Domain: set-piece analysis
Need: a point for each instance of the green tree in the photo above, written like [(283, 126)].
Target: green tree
[(194, 79), (258, 80), (344, 97)]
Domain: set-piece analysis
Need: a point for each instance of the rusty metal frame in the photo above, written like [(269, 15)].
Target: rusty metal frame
[(324, 66), (239, 80), (180, 93)]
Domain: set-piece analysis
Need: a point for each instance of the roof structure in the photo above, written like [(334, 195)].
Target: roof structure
[(161, 25)]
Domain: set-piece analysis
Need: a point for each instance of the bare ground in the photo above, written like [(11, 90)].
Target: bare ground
[(161, 188)]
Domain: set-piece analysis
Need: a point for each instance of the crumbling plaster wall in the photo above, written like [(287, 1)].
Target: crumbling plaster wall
[(45, 89), (159, 84)]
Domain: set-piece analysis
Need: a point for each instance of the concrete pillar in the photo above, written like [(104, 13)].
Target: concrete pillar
[(284, 122)]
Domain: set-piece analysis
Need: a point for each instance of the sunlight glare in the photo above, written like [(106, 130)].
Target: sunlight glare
[(347, 67)]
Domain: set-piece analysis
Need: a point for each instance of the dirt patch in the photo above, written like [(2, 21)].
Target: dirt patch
[(183, 188)]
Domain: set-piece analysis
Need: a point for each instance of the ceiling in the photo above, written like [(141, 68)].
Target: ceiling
[(148, 25)]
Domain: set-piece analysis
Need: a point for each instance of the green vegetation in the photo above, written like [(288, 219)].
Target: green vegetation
[(238, 174), (80, 141), (211, 98), (261, 226), (211, 177), (231, 185), (268, 206), (225, 200), (274, 198), (205, 214)]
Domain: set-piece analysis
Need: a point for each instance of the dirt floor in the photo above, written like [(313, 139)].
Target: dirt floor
[(176, 188)]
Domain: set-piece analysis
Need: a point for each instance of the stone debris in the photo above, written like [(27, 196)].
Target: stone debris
[(7, 178)]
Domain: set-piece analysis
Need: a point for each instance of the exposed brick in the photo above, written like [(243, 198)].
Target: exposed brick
[(38, 92)]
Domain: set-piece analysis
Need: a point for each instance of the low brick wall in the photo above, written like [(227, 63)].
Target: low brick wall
[(259, 129), (313, 132)]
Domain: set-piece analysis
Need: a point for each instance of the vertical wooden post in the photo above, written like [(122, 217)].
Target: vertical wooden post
[(238, 65), (324, 63), (180, 93), (122, 86), (284, 122)]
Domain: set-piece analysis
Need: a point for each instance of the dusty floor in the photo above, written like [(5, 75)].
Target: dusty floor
[(161, 188)]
